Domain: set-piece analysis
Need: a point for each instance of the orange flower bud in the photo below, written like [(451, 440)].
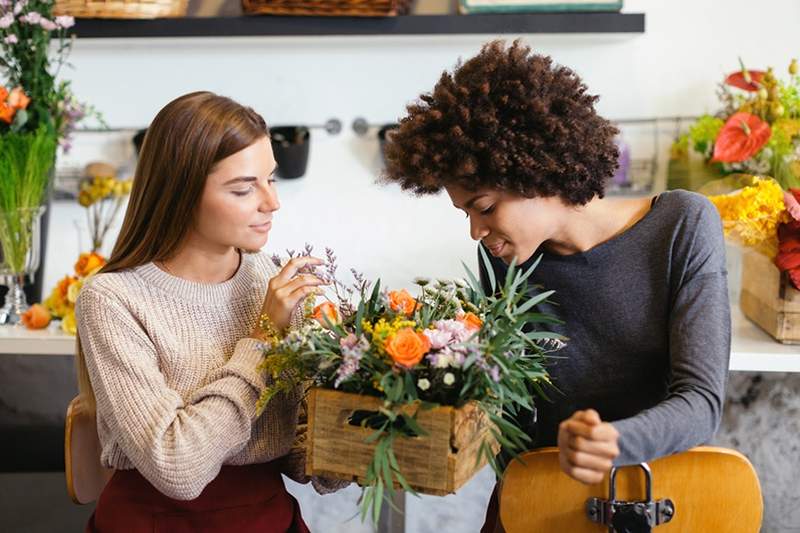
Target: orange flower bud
[(88, 264), (36, 317), (326, 310), (6, 113), (402, 302), (471, 321), (18, 99)]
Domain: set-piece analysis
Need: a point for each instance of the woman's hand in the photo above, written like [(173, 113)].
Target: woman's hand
[(286, 290), (587, 446)]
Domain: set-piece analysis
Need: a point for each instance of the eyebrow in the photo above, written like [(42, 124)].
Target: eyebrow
[(471, 202), (247, 179)]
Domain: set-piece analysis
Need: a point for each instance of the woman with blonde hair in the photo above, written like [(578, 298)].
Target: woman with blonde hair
[(171, 333)]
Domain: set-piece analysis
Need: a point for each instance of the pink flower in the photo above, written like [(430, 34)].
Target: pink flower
[(48, 25), (31, 18), (6, 21), (65, 21), (19, 6), (439, 339), (11, 39)]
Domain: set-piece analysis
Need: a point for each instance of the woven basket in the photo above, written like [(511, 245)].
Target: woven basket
[(121, 9), (328, 8)]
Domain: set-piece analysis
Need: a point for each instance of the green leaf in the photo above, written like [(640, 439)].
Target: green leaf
[(487, 264), (473, 281), (535, 300)]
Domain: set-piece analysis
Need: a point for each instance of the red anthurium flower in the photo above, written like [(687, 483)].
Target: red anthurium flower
[(742, 136), (794, 276), (739, 80)]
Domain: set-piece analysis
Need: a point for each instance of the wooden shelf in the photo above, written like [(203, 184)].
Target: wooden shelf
[(248, 26)]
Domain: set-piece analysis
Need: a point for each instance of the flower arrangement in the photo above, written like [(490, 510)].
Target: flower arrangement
[(758, 213), (37, 113), (103, 196), (451, 345), (61, 302), (757, 131)]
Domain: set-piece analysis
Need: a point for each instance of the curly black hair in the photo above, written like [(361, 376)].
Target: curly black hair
[(506, 119)]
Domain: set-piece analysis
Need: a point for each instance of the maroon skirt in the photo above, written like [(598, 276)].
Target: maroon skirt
[(243, 499)]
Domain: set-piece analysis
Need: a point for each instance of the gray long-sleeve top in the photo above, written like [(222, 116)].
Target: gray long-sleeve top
[(648, 321)]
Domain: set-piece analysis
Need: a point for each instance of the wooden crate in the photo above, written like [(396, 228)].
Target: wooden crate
[(768, 298), (438, 463)]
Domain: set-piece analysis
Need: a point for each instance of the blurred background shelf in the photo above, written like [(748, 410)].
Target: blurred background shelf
[(249, 26)]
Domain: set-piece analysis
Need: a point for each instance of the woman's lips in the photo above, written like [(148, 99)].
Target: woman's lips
[(262, 228), (495, 249)]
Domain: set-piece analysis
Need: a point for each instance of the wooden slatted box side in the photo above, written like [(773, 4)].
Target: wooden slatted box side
[(768, 298), (438, 463)]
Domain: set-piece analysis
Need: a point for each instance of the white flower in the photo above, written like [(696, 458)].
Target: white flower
[(6, 21), (423, 384), (449, 379), (65, 21), (22, 4), (444, 359)]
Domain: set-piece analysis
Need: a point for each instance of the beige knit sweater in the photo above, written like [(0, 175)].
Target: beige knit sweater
[(175, 378)]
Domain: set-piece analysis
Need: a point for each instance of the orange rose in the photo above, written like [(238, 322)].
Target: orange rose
[(3, 94), (471, 321), (326, 310), (6, 113), (36, 317), (407, 347), (402, 302), (18, 99), (63, 285), (89, 263)]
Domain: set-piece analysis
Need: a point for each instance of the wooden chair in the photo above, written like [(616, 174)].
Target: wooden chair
[(713, 489), (86, 477)]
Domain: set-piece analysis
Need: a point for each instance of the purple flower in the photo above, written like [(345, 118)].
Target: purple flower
[(65, 21), (353, 349), (6, 21), (11, 39), (494, 372)]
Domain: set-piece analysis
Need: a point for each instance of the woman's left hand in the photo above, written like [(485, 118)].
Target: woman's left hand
[(587, 446)]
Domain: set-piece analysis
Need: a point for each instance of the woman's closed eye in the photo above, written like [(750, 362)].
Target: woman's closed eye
[(244, 192)]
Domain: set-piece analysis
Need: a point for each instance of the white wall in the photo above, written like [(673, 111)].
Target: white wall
[(671, 69)]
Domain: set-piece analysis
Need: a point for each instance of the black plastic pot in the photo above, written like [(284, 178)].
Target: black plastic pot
[(290, 145)]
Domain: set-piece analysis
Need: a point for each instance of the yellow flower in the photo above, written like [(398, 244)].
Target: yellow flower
[(752, 214), (69, 324), (788, 126), (85, 198), (72, 292)]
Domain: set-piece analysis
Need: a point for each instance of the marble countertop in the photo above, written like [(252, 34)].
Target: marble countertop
[(752, 349)]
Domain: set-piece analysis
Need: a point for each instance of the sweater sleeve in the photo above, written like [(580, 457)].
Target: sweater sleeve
[(699, 349), (177, 444)]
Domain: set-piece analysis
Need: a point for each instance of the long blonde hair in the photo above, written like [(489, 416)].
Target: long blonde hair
[(186, 139)]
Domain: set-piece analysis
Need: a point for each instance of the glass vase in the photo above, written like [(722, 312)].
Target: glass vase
[(19, 257)]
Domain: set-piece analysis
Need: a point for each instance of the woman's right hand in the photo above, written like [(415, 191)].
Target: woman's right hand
[(286, 290)]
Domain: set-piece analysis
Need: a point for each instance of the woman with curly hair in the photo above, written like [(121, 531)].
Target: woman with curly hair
[(641, 283)]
